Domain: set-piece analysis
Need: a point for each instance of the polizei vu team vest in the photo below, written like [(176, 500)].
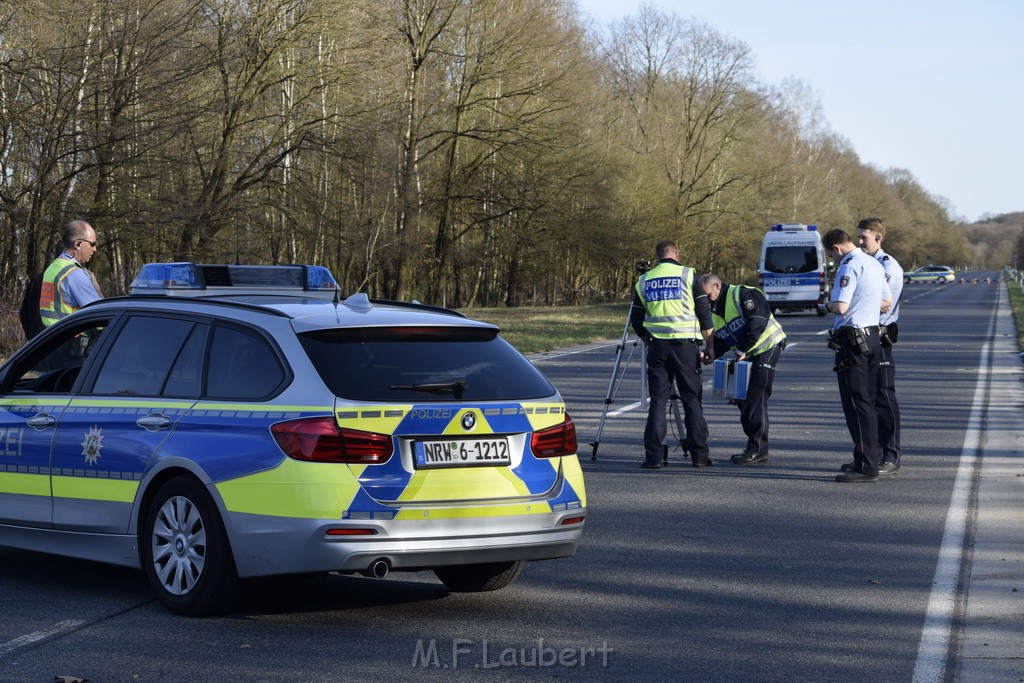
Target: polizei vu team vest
[(733, 326), (667, 294)]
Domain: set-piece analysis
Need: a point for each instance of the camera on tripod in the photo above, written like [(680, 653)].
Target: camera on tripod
[(642, 266)]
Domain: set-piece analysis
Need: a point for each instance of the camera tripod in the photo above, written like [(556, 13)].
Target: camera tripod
[(618, 372)]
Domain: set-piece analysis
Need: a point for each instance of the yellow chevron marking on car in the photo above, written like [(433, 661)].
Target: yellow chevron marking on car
[(93, 488), (517, 509), (460, 483), (381, 419), (25, 484), (480, 425), (574, 475), (292, 489)]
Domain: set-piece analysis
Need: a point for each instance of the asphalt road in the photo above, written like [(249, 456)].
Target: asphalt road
[(765, 573)]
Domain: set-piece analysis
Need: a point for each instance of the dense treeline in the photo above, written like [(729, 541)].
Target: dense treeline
[(997, 241), (460, 152)]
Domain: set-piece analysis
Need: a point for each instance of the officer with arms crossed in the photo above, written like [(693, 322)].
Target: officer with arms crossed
[(67, 285), (744, 323), (671, 315), (870, 234), (858, 295)]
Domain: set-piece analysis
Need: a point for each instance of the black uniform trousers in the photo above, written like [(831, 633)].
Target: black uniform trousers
[(888, 408), (754, 408), (858, 375), (679, 360)]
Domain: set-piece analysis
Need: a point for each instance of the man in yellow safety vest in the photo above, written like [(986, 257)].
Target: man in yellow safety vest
[(744, 323), (670, 313), (67, 285)]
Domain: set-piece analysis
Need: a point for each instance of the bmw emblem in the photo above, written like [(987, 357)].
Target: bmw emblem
[(468, 421)]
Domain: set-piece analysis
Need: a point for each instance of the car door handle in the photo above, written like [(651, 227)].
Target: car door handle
[(154, 422), (41, 421)]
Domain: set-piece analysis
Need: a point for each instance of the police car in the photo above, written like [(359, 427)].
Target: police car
[(930, 274), (227, 422)]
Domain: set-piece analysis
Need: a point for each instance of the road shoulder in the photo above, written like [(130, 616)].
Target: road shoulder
[(992, 647)]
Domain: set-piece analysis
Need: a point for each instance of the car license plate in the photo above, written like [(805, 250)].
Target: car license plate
[(776, 297), (461, 452)]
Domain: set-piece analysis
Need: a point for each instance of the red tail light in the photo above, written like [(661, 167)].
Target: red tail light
[(319, 439), (760, 280), (555, 441)]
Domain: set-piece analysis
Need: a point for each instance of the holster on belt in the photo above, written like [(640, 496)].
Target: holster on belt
[(888, 334), (852, 339)]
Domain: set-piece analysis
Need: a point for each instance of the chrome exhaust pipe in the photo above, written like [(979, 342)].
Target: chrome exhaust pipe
[(378, 569)]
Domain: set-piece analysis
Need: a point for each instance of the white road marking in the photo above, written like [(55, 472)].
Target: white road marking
[(624, 409), (57, 629), (545, 355), (933, 650)]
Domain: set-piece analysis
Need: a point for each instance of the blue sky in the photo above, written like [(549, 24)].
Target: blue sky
[(933, 86)]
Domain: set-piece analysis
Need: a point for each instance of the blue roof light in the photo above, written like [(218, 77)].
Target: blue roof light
[(791, 227), (155, 277), (195, 279), (318, 277)]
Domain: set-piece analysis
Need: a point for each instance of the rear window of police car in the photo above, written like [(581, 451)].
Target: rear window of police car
[(418, 364)]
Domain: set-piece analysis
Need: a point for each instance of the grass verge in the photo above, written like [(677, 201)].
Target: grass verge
[(1017, 304), (536, 329)]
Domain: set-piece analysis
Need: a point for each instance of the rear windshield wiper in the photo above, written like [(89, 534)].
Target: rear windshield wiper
[(456, 388)]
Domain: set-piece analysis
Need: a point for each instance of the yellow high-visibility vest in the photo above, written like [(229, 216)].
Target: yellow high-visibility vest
[(52, 306), (667, 294), (734, 323)]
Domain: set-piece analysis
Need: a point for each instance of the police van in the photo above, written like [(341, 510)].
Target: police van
[(794, 271)]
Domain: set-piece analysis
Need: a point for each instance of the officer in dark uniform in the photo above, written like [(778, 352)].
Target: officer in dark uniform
[(31, 322), (870, 234), (670, 313), (744, 323), (859, 295)]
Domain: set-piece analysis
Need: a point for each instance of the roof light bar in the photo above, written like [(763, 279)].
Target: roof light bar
[(197, 280), (792, 227)]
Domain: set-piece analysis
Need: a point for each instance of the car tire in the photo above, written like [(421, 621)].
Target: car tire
[(479, 578), (185, 551)]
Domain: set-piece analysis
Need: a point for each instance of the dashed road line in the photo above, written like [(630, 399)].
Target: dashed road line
[(60, 628)]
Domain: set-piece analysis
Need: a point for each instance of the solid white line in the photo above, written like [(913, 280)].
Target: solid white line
[(624, 409), (60, 627), (938, 622), (545, 355)]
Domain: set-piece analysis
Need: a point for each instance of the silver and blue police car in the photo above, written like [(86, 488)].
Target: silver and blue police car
[(227, 422), (941, 274)]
